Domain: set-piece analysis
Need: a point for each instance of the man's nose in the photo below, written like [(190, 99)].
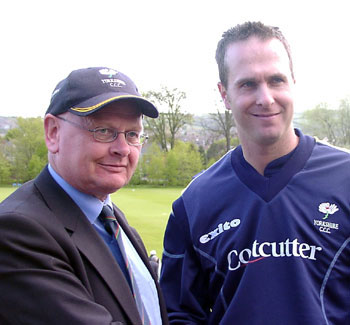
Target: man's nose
[(264, 96), (120, 146)]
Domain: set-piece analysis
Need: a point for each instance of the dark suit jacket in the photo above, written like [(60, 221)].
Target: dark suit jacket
[(55, 268)]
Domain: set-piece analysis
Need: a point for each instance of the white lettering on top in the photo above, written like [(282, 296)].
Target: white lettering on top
[(219, 230), (259, 251)]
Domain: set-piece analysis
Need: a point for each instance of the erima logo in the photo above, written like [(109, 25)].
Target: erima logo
[(259, 251), (219, 230)]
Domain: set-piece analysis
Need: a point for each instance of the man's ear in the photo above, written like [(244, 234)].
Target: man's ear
[(51, 127), (223, 94)]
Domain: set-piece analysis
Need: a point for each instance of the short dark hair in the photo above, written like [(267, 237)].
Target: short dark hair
[(242, 32)]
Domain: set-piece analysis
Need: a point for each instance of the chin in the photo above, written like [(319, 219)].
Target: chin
[(268, 139), (119, 184), (106, 189)]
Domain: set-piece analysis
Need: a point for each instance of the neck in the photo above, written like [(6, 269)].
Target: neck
[(260, 155)]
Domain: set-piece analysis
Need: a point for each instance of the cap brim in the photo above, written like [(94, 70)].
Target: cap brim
[(96, 103)]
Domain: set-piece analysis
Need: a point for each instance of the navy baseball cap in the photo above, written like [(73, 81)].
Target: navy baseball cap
[(85, 91)]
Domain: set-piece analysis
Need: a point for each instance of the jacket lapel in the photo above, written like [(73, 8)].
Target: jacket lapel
[(88, 242), (95, 250), (141, 250)]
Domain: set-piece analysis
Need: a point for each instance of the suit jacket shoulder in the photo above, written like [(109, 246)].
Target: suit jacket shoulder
[(55, 267)]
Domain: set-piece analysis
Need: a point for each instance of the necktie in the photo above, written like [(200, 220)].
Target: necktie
[(112, 227)]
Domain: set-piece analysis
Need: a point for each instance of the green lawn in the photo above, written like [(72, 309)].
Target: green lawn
[(6, 191), (147, 209)]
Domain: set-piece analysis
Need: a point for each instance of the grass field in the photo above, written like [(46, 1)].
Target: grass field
[(147, 209)]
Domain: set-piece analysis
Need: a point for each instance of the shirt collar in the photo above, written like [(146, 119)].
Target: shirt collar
[(90, 205)]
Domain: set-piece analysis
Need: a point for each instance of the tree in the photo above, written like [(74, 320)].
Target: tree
[(218, 148), (320, 121), (173, 168), (166, 127), (222, 126), (344, 122), (5, 169), (203, 156), (182, 163), (151, 165), (329, 124), (158, 129), (28, 153)]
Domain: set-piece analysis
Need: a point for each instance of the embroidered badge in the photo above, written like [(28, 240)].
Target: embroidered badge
[(108, 72), (328, 209)]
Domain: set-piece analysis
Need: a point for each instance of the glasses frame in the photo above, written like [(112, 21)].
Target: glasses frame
[(143, 137)]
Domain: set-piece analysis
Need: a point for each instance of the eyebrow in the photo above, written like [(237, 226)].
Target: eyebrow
[(244, 80), (279, 75)]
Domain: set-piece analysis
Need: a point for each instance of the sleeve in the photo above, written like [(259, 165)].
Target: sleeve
[(184, 285), (38, 282)]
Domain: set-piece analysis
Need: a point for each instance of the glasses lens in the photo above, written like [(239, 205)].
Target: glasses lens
[(143, 139), (134, 138), (104, 134)]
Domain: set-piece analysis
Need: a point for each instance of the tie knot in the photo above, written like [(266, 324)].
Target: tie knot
[(107, 213), (109, 221)]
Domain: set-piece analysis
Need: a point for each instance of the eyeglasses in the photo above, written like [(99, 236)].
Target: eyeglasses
[(101, 134)]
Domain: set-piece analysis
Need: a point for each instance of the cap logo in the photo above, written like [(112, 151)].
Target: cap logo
[(108, 72), (117, 83)]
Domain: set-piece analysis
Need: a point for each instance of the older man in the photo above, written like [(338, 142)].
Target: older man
[(67, 254), (262, 236)]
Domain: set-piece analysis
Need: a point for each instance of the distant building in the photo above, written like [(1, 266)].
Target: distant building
[(7, 123)]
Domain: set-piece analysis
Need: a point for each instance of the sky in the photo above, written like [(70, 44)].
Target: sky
[(163, 43)]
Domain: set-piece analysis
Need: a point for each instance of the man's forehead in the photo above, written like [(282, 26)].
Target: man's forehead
[(254, 53), (255, 45)]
